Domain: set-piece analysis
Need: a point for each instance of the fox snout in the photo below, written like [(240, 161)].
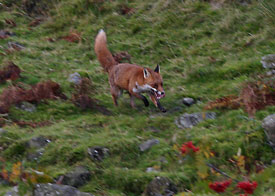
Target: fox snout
[(160, 94)]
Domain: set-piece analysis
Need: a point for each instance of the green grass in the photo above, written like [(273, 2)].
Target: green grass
[(181, 36)]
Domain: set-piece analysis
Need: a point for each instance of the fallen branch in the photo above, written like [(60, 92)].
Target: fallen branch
[(221, 172)]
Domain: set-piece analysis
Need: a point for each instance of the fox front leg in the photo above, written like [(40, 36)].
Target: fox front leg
[(157, 103), (139, 96)]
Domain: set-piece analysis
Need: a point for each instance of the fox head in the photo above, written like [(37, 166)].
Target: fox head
[(154, 82)]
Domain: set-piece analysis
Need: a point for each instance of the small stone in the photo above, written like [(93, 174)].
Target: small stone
[(15, 46), (2, 131), (209, 115), (13, 192), (57, 189), (270, 73), (75, 78), (35, 155), (151, 169), (273, 161), (188, 101), (268, 61), (148, 144), (38, 142), (190, 120), (5, 34), (77, 178), (153, 129), (160, 186), (98, 153), (269, 126), (26, 106)]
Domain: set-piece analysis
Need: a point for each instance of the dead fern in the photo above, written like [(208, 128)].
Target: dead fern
[(254, 96), (81, 98), (32, 124), (40, 91), (9, 72), (72, 37), (231, 102), (121, 56)]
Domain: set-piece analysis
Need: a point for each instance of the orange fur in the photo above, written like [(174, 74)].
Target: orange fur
[(130, 77)]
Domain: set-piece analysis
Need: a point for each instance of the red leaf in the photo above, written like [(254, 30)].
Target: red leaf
[(248, 187), (220, 187)]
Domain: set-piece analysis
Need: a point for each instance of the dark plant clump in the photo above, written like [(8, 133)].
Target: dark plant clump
[(9, 72), (40, 91), (254, 96), (81, 97)]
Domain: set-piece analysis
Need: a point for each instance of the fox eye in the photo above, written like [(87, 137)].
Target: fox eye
[(155, 86)]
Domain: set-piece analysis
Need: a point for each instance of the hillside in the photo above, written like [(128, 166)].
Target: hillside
[(208, 50)]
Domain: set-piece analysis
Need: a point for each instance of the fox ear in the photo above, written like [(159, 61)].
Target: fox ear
[(157, 69), (146, 73)]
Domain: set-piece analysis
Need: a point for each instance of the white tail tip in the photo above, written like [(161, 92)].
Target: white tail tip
[(101, 31)]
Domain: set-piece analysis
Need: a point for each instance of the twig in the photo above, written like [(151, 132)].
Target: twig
[(221, 172)]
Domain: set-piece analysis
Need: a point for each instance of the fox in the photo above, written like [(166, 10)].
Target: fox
[(132, 78)]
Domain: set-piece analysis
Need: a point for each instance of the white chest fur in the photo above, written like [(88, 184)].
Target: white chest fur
[(142, 88)]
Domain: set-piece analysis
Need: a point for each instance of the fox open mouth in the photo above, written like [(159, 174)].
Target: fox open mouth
[(157, 93)]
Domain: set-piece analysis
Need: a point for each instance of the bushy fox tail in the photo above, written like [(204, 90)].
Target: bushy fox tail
[(104, 56)]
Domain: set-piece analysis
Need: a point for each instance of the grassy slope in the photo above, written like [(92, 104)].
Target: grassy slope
[(180, 36)]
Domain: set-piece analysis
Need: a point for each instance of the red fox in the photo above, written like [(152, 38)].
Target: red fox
[(130, 77)]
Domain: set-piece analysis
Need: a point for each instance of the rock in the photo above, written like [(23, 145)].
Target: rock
[(35, 155), (57, 190), (268, 61), (188, 101), (78, 177), (5, 34), (160, 186), (26, 106), (153, 129), (269, 126), (13, 192), (75, 78), (270, 73), (190, 120), (98, 153), (2, 131), (15, 46), (273, 162), (148, 144), (151, 169), (38, 142)]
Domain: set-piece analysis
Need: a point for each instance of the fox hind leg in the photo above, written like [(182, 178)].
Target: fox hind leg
[(116, 93), (132, 101)]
